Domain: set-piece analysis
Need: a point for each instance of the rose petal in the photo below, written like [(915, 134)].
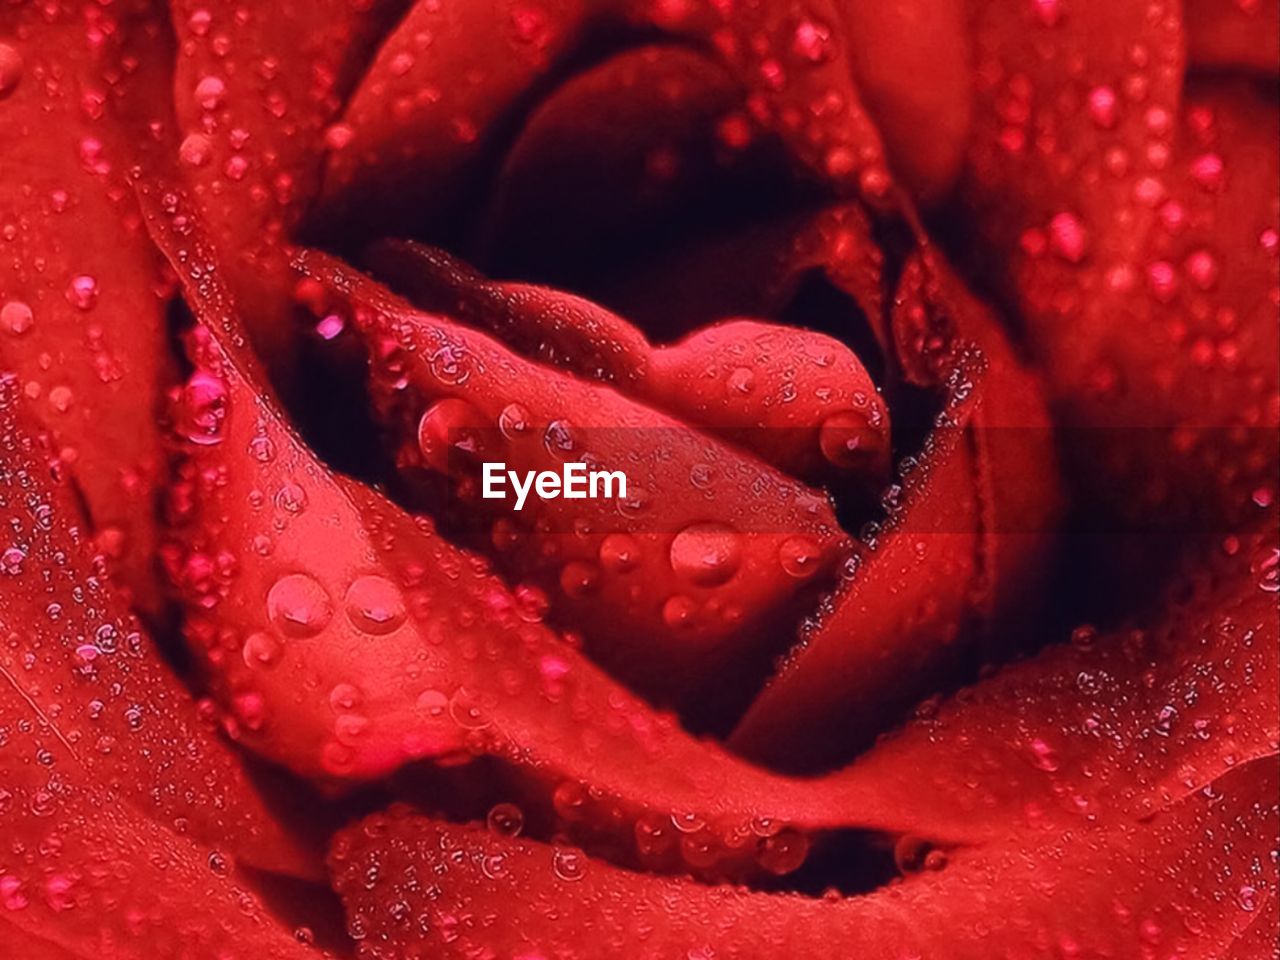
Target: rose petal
[(618, 154), (784, 394), (688, 606), (80, 317), (74, 659), (255, 90), (1136, 232), (418, 139), (1183, 885), (347, 639), (911, 59), (1242, 34), (1116, 724), (83, 875), (956, 564), (411, 134)]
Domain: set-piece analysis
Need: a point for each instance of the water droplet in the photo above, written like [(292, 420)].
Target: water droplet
[(679, 612), (339, 136), (1162, 280), (494, 865), (812, 41), (82, 292), (1102, 106), (849, 441), (1044, 756), (742, 380), (61, 398), (374, 605), (344, 697), (330, 325), (505, 820), (16, 318), (579, 579), (1265, 566), (1207, 170), (1067, 237), (349, 727), (219, 864), (569, 865), (706, 554), (1202, 268), (799, 557), (451, 365), (298, 606), (513, 421), (261, 650), (619, 553), (532, 603), (210, 92), (196, 150), (11, 561), (449, 427), (433, 704), (466, 710), (291, 498), (784, 852), (559, 439), (202, 409), (262, 449)]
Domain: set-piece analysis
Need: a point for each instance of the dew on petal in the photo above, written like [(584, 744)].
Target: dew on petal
[(16, 318), (298, 605), (374, 605), (706, 554)]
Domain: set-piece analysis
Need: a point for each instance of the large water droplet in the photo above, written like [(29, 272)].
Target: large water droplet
[(374, 605), (505, 820), (82, 292), (619, 553), (298, 606), (16, 318), (202, 409), (449, 428), (706, 554), (849, 441), (513, 421), (569, 865), (784, 852), (799, 557), (559, 439), (261, 650)]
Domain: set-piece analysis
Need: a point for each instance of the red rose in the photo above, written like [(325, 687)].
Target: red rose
[(923, 628)]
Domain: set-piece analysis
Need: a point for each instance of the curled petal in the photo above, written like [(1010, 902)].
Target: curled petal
[(789, 396), (1156, 891), (954, 564), (77, 664), (682, 584)]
